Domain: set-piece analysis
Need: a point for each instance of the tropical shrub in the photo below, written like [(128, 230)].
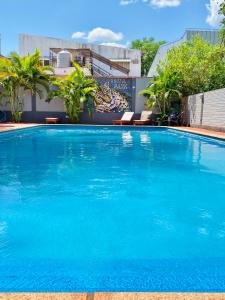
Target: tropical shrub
[(161, 95), (192, 67), (18, 74), (74, 90)]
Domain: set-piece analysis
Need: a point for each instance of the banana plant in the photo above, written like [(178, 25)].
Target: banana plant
[(74, 90), (161, 93)]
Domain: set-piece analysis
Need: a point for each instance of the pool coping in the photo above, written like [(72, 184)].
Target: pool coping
[(217, 135), (116, 296), (11, 127), (111, 296)]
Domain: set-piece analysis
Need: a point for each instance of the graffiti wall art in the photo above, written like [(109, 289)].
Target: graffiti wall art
[(114, 95)]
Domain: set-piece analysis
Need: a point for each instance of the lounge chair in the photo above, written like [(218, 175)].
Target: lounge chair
[(125, 120), (145, 118)]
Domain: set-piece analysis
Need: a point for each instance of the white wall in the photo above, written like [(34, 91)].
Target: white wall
[(55, 105), (26, 95), (141, 84), (212, 111)]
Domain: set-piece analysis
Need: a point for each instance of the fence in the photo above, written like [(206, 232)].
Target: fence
[(207, 110)]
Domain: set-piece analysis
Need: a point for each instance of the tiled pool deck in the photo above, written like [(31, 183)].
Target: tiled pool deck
[(115, 296), (206, 132), (12, 126), (112, 296)]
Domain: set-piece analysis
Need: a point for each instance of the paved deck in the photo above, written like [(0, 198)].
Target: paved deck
[(13, 126), (111, 296), (115, 296), (206, 132)]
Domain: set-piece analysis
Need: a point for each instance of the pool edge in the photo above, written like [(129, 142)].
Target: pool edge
[(217, 135), (12, 127), (112, 296)]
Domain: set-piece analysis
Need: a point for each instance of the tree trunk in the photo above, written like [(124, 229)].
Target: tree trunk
[(33, 102)]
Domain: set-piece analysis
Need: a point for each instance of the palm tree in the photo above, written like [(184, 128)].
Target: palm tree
[(74, 90), (18, 74)]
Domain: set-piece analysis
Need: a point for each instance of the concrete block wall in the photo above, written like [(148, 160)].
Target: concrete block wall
[(207, 110)]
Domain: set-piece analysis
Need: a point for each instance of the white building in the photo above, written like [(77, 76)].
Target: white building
[(209, 35), (104, 60)]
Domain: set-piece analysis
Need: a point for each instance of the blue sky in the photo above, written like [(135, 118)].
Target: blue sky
[(103, 21)]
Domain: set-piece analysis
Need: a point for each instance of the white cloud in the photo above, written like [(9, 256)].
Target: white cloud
[(78, 35), (127, 2), (165, 3), (99, 34), (214, 18), (115, 45), (154, 3)]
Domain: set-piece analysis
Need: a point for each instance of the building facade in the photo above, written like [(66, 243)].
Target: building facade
[(117, 71), (105, 60)]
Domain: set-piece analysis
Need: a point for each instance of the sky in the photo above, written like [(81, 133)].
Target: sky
[(104, 21)]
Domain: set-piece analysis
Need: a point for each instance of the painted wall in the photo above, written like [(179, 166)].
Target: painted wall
[(116, 94), (207, 110), (29, 43), (117, 91)]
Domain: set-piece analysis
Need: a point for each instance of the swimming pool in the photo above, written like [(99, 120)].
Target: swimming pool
[(111, 209)]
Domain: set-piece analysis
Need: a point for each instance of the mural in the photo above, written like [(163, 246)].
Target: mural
[(114, 95)]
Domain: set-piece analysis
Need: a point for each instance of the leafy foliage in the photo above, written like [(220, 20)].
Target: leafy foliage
[(74, 90), (222, 13), (192, 67), (18, 74), (149, 48), (161, 92)]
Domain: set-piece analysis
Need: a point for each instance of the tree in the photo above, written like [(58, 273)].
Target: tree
[(190, 68), (222, 13), (161, 92), (149, 48), (74, 90), (198, 65), (18, 74)]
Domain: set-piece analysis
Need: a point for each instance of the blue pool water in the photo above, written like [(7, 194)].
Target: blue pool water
[(102, 209)]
